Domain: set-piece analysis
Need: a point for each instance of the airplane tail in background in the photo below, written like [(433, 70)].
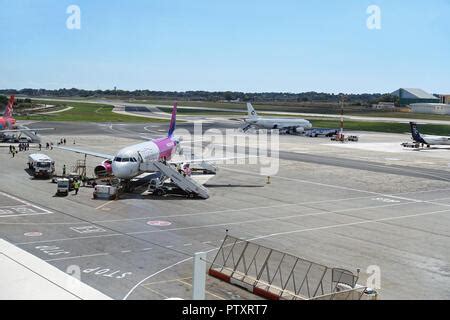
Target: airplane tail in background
[(415, 133), (173, 121), (9, 108), (251, 111)]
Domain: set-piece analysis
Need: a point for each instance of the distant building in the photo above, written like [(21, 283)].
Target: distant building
[(384, 106), (434, 108), (408, 96), (445, 98)]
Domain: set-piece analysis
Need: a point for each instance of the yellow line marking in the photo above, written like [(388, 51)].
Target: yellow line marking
[(158, 293), (214, 295), (165, 281)]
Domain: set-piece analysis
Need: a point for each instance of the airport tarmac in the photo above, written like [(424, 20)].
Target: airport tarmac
[(351, 206)]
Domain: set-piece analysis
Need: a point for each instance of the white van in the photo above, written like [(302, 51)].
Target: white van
[(41, 165)]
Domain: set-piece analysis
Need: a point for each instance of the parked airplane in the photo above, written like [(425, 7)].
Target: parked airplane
[(285, 125), (427, 139), (8, 123), (137, 159)]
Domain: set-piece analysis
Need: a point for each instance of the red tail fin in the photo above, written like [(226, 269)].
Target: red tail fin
[(9, 108)]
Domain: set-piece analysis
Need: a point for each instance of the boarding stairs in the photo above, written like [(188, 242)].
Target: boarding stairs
[(185, 183)]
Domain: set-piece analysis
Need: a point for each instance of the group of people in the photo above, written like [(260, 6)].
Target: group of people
[(62, 141), (24, 146)]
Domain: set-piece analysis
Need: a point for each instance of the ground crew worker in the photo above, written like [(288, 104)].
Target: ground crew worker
[(64, 170), (40, 147), (76, 186)]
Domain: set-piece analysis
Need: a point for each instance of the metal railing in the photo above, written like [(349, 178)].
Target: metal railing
[(283, 275)]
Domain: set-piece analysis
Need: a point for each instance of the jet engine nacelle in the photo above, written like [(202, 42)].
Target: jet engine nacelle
[(299, 130), (104, 169)]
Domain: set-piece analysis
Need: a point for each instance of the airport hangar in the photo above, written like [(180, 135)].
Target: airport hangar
[(420, 101)]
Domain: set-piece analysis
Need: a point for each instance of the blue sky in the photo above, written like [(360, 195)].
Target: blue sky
[(251, 45)]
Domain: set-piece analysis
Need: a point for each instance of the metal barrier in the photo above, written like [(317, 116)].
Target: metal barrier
[(276, 275)]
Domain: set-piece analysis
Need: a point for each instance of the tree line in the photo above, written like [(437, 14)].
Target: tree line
[(358, 99)]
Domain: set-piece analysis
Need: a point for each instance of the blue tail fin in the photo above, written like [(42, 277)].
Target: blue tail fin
[(173, 121), (415, 133)]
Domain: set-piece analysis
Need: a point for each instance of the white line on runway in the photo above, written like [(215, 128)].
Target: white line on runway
[(106, 203), (238, 210), (78, 257), (290, 232), (222, 224)]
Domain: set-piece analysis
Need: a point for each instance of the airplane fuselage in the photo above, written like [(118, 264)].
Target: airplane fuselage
[(435, 140), (278, 123), (136, 159)]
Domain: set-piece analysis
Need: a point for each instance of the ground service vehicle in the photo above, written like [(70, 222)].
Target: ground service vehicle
[(63, 186), (41, 165)]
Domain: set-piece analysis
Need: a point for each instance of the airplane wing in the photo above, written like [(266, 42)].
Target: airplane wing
[(87, 152), (22, 130), (199, 160)]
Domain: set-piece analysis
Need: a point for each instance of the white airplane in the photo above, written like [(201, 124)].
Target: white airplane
[(137, 159), (285, 125), (429, 140)]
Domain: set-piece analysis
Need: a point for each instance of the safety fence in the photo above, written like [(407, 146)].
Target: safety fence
[(276, 275)]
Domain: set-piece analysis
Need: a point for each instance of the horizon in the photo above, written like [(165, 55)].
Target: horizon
[(251, 47)]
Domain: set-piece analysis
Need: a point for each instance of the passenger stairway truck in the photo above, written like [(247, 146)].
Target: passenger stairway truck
[(185, 183)]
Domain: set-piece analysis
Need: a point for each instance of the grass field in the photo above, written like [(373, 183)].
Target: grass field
[(88, 112)]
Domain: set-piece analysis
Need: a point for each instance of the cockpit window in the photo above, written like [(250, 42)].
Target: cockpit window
[(117, 159), (126, 160)]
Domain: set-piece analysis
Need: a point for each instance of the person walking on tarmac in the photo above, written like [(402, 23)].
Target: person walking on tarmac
[(76, 186), (64, 170)]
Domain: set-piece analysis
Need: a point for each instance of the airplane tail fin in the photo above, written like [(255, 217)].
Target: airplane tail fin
[(251, 111), (9, 108), (415, 132), (173, 121)]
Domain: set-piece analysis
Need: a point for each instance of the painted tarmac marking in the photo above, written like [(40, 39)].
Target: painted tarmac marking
[(79, 257), (52, 250), (88, 229), (106, 272), (32, 234), (157, 292), (208, 292), (295, 216), (103, 205), (288, 232), (159, 223), (23, 209)]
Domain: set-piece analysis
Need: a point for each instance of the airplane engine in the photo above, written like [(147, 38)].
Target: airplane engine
[(104, 169), (299, 130)]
